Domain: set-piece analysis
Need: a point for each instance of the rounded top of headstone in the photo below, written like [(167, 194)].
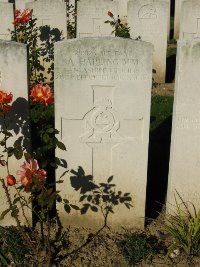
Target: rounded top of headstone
[(107, 39), (12, 43)]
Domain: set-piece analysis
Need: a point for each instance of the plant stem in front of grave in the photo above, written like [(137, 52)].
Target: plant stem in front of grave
[(6, 136)]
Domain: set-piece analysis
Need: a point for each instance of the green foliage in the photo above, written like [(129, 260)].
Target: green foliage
[(44, 141), (28, 33), (183, 224), (71, 30), (71, 17), (120, 29), (139, 247)]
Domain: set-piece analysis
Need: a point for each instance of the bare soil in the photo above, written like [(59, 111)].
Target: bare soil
[(164, 89), (106, 250)]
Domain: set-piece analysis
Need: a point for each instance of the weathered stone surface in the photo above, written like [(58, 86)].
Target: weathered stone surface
[(91, 15), (168, 26), (122, 10), (102, 110), (149, 19), (178, 4), (21, 4), (184, 165), (50, 13), (13, 78), (190, 20), (6, 19)]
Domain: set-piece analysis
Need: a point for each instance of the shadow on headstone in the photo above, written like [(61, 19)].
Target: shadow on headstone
[(17, 120), (158, 165), (48, 36)]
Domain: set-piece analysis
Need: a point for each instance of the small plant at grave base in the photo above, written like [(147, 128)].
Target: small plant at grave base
[(95, 197), (120, 29), (183, 225), (138, 247)]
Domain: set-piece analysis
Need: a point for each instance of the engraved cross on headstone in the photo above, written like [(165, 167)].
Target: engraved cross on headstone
[(96, 26), (188, 35), (101, 132)]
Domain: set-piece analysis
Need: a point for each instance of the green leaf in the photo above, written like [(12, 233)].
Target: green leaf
[(45, 138), (50, 130)]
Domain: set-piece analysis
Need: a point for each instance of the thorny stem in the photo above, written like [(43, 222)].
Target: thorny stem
[(5, 144), (9, 200), (23, 212)]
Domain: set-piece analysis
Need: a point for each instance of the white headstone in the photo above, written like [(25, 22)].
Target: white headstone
[(122, 10), (149, 20), (102, 110), (51, 13), (178, 5), (169, 8), (6, 19), (184, 165), (21, 4), (13, 73), (190, 20), (91, 17)]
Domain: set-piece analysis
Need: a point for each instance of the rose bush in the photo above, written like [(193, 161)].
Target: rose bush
[(22, 17)]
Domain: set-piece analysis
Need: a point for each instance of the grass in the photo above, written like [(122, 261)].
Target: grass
[(161, 109), (138, 247)]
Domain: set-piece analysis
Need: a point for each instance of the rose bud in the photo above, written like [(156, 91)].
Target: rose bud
[(11, 180), (110, 14)]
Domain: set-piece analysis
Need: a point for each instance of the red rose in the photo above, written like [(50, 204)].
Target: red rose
[(110, 14), (42, 94), (11, 180), (5, 98)]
